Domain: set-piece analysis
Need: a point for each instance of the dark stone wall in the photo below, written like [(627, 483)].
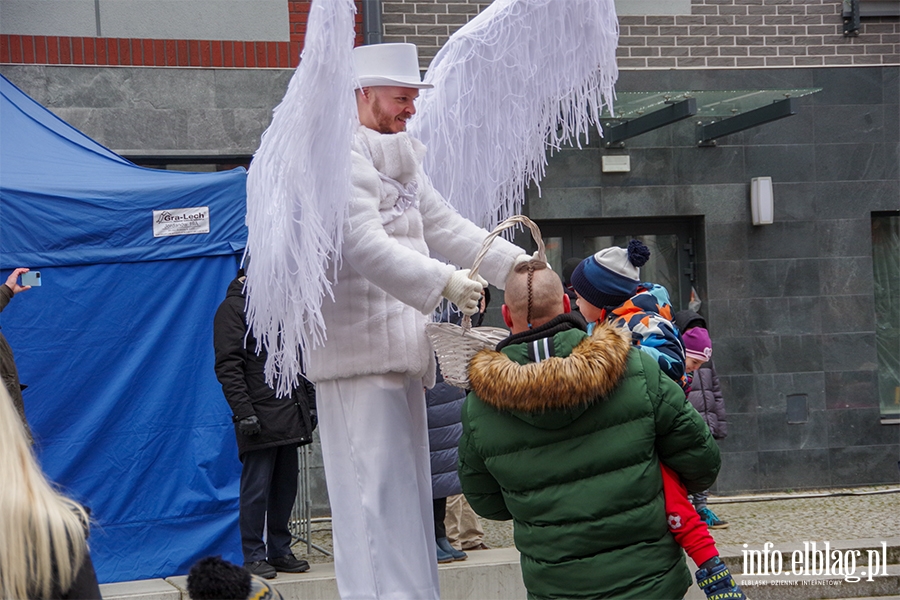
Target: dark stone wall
[(790, 305), (166, 112)]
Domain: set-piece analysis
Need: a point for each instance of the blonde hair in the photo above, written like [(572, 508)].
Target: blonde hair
[(42, 533)]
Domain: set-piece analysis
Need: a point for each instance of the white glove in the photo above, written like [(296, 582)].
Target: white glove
[(465, 293)]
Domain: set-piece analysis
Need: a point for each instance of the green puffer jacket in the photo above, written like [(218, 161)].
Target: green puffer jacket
[(569, 448)]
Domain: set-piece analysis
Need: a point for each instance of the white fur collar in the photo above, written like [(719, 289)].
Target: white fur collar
[(397, 155)]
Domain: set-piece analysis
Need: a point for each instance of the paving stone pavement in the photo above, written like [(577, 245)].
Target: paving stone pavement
[(794, 519), (791, 518)]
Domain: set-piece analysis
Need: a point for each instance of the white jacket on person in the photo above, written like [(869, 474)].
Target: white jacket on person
[(388, 285)]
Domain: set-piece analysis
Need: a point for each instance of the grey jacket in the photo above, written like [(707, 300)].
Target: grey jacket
[(706, 397), (705, 394)]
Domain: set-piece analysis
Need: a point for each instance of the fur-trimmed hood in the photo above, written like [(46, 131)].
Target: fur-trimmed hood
[(592, 369)]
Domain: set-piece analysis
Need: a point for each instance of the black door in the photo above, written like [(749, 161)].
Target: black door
[(671, 243)]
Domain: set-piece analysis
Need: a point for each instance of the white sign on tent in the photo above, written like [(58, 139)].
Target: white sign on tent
[(181, 221)]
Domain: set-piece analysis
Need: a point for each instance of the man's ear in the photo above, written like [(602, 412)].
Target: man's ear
[(507, 318), (567, 303)]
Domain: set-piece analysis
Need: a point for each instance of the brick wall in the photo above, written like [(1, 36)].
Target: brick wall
[(717, 33), (756, 33), (59, 50), (426, 23)]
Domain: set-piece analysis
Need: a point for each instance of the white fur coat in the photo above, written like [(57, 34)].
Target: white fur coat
[(388, 285)]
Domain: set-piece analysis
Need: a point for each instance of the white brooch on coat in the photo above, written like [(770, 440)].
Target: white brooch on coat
[(407, 197)]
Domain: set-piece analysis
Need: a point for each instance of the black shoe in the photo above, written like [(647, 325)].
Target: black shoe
[(261, 568), (289, 564)]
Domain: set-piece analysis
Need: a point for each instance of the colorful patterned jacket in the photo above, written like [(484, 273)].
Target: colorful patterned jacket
[(648, 315)]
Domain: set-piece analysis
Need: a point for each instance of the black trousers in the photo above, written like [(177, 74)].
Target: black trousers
[(268, 488), (440, 511)]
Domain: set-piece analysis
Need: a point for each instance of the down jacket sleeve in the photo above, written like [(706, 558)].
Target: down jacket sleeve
[(459, 240), (229, 330), (480, 487), (706, 397), (6, 295), (720, 431), (370, 250), (683, 440)]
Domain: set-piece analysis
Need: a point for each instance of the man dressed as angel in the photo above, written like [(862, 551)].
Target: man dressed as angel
[(344, 225), (373, 368)]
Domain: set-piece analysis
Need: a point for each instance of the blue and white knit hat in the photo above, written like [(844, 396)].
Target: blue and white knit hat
[(611, 276)]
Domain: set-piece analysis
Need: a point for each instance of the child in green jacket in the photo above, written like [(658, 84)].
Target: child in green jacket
[(565, 433)]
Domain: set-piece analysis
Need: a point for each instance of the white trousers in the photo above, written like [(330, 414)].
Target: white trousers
[(378, 471)]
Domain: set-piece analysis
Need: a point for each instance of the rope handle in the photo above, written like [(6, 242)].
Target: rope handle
[(485, 246)]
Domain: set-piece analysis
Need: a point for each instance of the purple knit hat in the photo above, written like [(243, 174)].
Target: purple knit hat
[(697, 344)]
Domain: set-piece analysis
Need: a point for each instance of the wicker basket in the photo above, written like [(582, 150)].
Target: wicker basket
[(455, 345)]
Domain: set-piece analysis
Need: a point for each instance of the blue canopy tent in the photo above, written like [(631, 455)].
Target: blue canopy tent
[(116, 345)]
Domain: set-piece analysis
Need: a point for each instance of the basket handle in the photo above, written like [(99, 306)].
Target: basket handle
[(506, 224), (485, 246)]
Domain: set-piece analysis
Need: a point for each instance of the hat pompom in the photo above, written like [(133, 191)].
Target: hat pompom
[(638, 253)]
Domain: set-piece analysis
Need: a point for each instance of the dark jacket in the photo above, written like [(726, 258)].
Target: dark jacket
[(569, 446), (240, 370), (85, 586), (8, 372), (686, 319), (705, 395), (444, 403)]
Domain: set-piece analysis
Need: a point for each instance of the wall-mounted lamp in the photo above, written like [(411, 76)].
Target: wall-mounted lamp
[(762, 205)]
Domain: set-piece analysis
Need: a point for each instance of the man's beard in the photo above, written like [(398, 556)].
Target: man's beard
[(384, 122)]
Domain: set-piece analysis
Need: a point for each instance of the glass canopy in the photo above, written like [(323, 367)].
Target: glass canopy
[(725, 111), (718, 103)]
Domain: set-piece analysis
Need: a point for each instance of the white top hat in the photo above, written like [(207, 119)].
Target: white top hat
[(388, 64)]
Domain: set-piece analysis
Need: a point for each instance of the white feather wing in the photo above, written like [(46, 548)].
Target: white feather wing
[(298, 189), (522, 76)]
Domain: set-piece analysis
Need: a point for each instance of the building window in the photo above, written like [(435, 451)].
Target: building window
[(886, 265), (652, 7)]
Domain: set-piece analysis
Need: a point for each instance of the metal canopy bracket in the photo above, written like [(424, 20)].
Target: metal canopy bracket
[(718, 112), (758, 116), (672, 112), (850, 14)]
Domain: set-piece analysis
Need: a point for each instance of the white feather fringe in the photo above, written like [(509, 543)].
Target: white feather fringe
[(522, 76), (298, 190)]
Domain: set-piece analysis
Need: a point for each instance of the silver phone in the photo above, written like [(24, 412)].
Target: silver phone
[(32, 278)]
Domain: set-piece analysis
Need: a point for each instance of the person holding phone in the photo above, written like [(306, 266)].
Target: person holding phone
[(8, 371)]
